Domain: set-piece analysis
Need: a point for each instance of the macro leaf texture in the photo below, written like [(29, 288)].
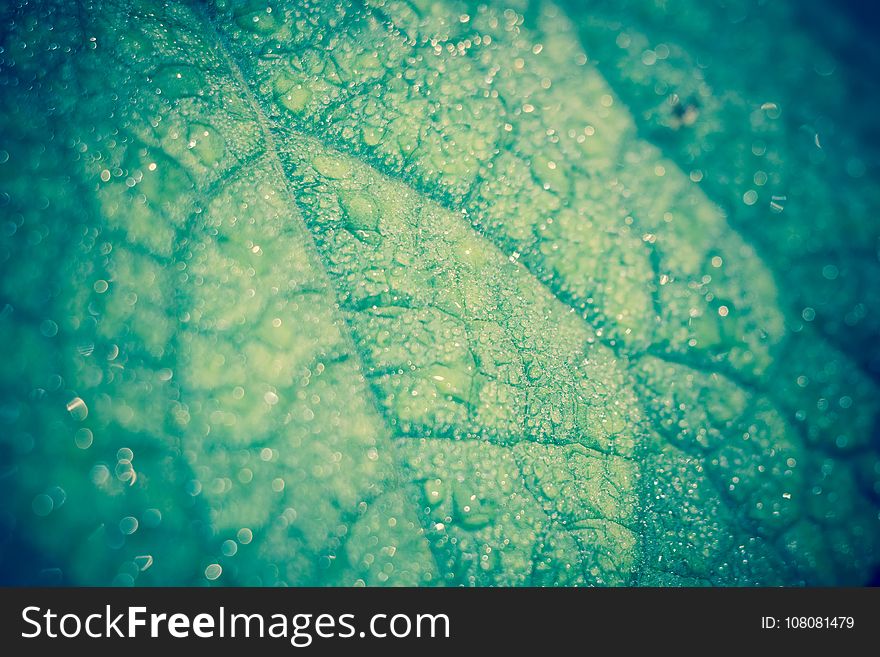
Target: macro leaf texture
[(436, 293)]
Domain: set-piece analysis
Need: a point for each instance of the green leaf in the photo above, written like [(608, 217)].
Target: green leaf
[(401, 294)]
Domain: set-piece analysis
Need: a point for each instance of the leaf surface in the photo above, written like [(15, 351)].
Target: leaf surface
[(395, 294)]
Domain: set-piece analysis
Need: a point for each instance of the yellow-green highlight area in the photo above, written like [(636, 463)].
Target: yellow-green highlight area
[(437, 294)]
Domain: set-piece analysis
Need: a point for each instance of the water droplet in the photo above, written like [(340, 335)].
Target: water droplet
[(128, 525), (213, 571), (58, 495), (143, 561), (42, 505), (100, 474), (125, 472), (49, 328), (77, 409), (83, 438), (151, 518), (772, 110), (123, 579)]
